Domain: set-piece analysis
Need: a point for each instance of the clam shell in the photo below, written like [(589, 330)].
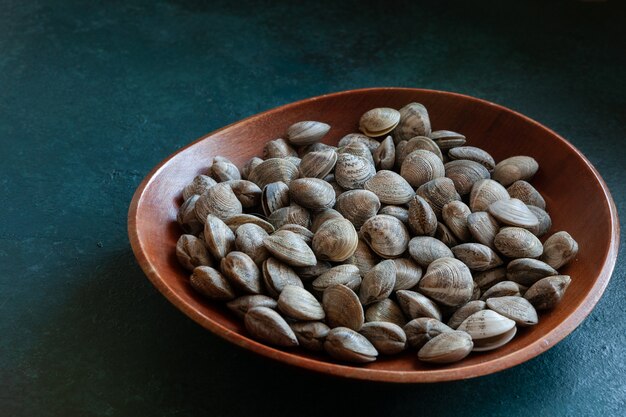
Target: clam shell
[(438, 193), (378, 283), (517, 309), (545, 222), (385, 155), (379, 121), (484, 193), (186, 216), (311, 334), (385, 310), (559, 249), (495, 342), (210, 283), (472, 153), (487, 329), (316, 147), (224, 170), (249, 240), (527, 271), (249, 166), (198, 186), (318, 164), (387, 338), (414, 121), (421, 166), (347, 345), (273, 170), (415, 305), (464, 174), (515, 242), (277, 275), (306, 132), (398, 212), (304, 233), (547, 292), (447, 139), (425, 249), (408, 274), (358, 149), (335, 240), (445, 235), (293, 214), (513, 212), (241, 305), (220, 201), (455, 215), (422, 218), (447, 281), (502, 289), (358, 206), (342, 307), (289, 248), (372, 144), (422, 329), (525, 192), (390, 188), (476, 256), (242, 272), (488, 279), (347, 275), (218, 237), (386, 235), (476, 293), (299, 304), (309, 273), (321, 217), (191, 252), (351, 171), (363, 257), (515, 168), (247, 192), (446, 348), (278, 148), (312, 193), (483, 227), (274, 196), (465, 311), (238, 220), (418, 142), (268, 326)]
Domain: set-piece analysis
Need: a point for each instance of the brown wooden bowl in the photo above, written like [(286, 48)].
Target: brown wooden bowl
[(577, 198)]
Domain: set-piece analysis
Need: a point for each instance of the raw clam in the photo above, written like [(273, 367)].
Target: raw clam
[(342, 307), (309, 273), (476, 256), (421, 166), (323, 216), (398, 212), (241, 305), (220, 201), (242, 272), (274, 196), (422, 329), (386, 235), (447, 139), (198, 186), (358, 206), (372, 144), (363, 258), (447, 281), (312, 193), (267, 325), (390, 188), (527, 271), (422, 218), (488, 329), (517, 309), (278, 148), (415, 305), (387, 338), (438, 193), (446, 348), (210, 283), (483, 227), (385, 154), (307, 132), (408, 274), (249, 240), (443, 233), (273, 170), (547, 292), (513, 212), (464, 174), (425, 249), (465, 311), (413, 121), (249, 166), (379, 121), (293, 214), (559, 249), (525, 192), (335, 240), (385, 310), (318, 164), (347, 275), (515, 168), (484, 193), (299, 304), (516, 242), (503, 289), (304, 233), (218, 237), (488, 279), (277, 275), (311, 334), (472, 153), (347, 345), (413, 144), (351, 171), (224, 170), (455, 215), (378, 283), (289, 248), (186, 216), (191, 252), (545, 222)]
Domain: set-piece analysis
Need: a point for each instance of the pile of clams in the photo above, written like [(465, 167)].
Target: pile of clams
[(399, 237)]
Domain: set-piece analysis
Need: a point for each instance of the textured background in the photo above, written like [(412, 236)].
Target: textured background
[(94, 94)]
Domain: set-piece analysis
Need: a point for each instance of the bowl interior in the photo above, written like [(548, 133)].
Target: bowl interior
[(576, 197)]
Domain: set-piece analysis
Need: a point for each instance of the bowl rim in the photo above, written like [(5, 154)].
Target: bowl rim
[(569, 323)]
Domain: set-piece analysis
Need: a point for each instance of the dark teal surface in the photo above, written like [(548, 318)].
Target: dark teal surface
[(94, 94)]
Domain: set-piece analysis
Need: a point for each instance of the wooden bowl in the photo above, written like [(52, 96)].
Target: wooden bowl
[(577, 198)]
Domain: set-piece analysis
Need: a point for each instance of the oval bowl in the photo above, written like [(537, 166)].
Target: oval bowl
[(576, 196)]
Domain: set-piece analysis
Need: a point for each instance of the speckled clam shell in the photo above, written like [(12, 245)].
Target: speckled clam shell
[(311, 334), (472, 153), (268, 326), (390, 187), (525, 192), (513, 212), (414, 121), (438, 193), (527, 271), (306, 132), (547, 292), (415, 305), (387, 338), (247, 168), (218, 237), (289, 248), (517, 309), (192, 252), (343, 308), (445, 235), (322, 217), (385, 310), (379, 121), (292, 214), (274, 196), (347, 345), (312, 193), (559, 249), (386, 235), (514, 169), (310, 273), (447, 281), (304, 233), (484, 193), (503, 289), (464, 174), (242, 272), (372, 144), (488, 329), (335, 240), (318, 164), (238, 220), (297, 303), (364, 258), (455, 215), (278, 148), (545, 222), (351, 171), (273, 170), (516, 242), (447, 139), (385, 155), (347, 275), (224, 170), (198, 186), (487, 279), (241, 305), (358, 149), (421, 166), (358, 206), (186, 217), (408, 274), (220, 201), (422, 329), (425, 249), (476, 256), (378, 283), (465, 311), (422, 218), (419, 142), (277, 275), (483, 227), (446, 348), (211, 283)]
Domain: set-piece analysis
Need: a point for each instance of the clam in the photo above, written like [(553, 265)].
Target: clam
[(545, 222), (421, 166), (559, 249), (342, 307), (309, 273), (422, 329), (315, 147), (378, 283), (408, 274), (277, 275), (273, 170), (293, 214), (547, 292), (358, 206), (419, 142), (304, 233), (299, 304), (387, 338), (425, 249), (476, 256), (267, 325), (347, 345), (455, 215), (447, 139), (488, 279), (312, 193), (336, 187), (274, 196), (525, 192), (515, 242), (390, 187), (484, 193), (398, 212), (241, 305), (224, 170), (249, 166), (220, 201), (318, 164), (385, 154), (198, 186), (415, 305), (335, 240), (306, 132), (447, 281), (513, 212), (515, 168), (472, 153), (372, 144), (247, 192), (413, 121), (476, 292), (488, 329), (379, 121), (218, 237), (527, 271), (438, 193), (386, 235), (242, 272), (278, 148), (347, 275), (503, 289), (294, 160), (483, 227), (363, 258), (210, 283), (249, 240), (358, 149), (238, 220), (289, 248), (385, 310), (465, 311), (517, 309), (445, 235), (422, 218), (446, 348), (351, 171), (186, 216), (323, 216), (311, 334), (191, 252), (464, 174)]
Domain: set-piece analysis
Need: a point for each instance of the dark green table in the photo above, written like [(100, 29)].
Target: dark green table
[(94, 94)]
